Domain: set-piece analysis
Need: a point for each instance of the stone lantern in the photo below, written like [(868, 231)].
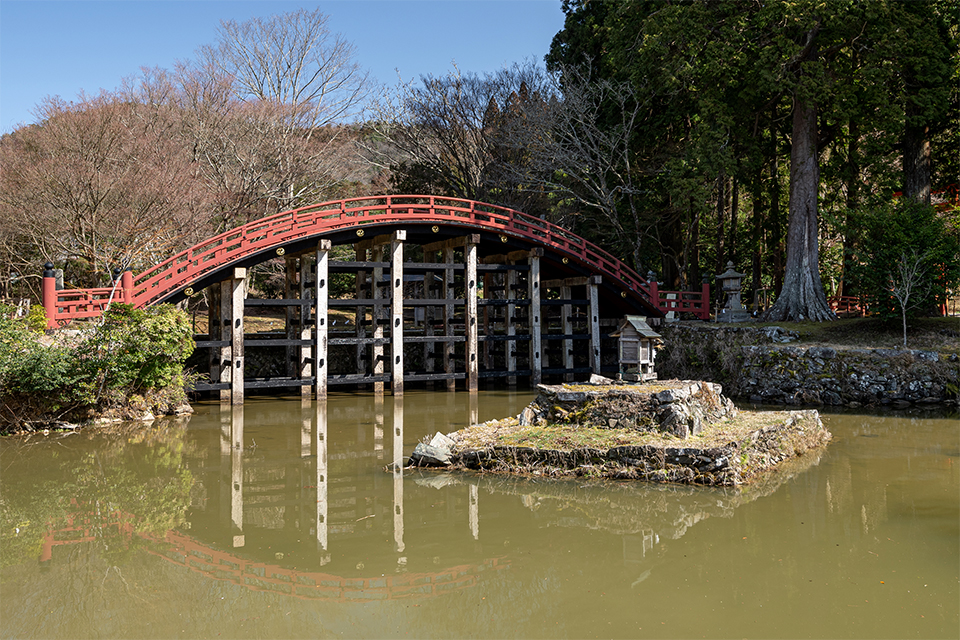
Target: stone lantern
[(730, 282), (637, 344)]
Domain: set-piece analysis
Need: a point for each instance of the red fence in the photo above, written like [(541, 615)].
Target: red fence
[(849, 306), (74, 304), (693, 302)]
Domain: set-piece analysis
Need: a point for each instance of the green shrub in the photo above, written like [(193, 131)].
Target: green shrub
[(37, 319), (133, 353), (907, 232), (137, 350), (46, 373)]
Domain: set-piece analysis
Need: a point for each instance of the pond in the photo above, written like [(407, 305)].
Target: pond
[(169, 532)]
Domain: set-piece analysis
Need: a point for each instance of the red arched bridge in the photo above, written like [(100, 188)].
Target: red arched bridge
[(515, 263)]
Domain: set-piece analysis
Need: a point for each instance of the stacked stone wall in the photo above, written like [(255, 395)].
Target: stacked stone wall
[(763, 366)]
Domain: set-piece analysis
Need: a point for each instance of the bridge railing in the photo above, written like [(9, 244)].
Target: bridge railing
[(76, 304), (693, 302), (849, 305), (187, 266)]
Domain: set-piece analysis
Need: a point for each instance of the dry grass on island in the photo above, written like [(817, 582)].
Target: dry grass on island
[(508, 432)]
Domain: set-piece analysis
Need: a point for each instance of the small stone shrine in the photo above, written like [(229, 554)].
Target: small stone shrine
[(637, 346)]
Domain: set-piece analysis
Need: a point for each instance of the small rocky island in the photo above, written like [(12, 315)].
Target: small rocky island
[(677, 431)]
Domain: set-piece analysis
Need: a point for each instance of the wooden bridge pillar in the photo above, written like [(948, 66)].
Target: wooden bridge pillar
[(305, 360), (378, 317), (429, 317), (593, 297), (471, 316), (470, 320), (321, 296), (511, 352), (381, 318), (231, 296), (396, 312), (291, 314), (533, 293), (216, 355), (487, 295), (448, 310), (361, 316), (566, 326)]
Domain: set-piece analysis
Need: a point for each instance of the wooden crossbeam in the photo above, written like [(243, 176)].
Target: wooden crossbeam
[(513, 256), (379, 241), (570, 282), (452, 243)]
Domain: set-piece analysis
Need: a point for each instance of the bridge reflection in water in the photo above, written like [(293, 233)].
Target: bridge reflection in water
[(270, 491), (143, 521), (251, 482)]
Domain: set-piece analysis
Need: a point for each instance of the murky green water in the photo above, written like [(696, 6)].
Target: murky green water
[(170, 533)]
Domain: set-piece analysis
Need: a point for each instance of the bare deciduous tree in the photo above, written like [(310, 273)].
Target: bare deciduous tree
[(582, 146), (455, 134), (103, 181), (257, 101), (908, 276)]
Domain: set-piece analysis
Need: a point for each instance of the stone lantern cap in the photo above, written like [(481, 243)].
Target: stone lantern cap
[(730, 279)]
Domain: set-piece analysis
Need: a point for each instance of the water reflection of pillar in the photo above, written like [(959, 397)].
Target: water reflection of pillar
[(226, 463), (398, 472), (474, 403), (321, 437), (236, 475), (236, 428), (474, 512), (378, 425), (306, 430)]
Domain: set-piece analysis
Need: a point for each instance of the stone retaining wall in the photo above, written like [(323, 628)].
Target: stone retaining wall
[(682, 408), (761, 365)]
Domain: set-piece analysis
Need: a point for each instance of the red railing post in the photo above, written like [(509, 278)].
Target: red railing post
[(654, 292), (126, 283), (49, 295)]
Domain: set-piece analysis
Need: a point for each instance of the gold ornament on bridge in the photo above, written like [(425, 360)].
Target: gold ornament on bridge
[(281, 251), (359, 233), (435, 228), (188, 291), (503, 238), (566, 261), (623, 294)]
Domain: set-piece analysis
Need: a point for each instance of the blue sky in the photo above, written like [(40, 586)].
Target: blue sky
[(60, 48)]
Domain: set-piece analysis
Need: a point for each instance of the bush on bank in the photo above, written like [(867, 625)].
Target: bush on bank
[(129, 363)]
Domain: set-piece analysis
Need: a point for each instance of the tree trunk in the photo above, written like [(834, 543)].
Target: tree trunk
[(916, 156), (691, 249), (732, 231), (802, 297), (721, 217), (755, 271), (853, 202), (774, 221)]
